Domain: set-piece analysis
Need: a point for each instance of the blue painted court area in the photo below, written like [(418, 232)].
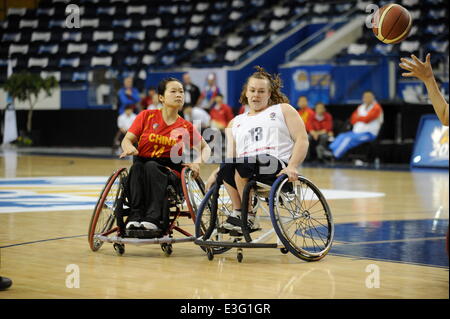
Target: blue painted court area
[(408, 241)]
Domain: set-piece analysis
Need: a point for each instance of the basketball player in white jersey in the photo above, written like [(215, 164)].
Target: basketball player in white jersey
[(270, 129)]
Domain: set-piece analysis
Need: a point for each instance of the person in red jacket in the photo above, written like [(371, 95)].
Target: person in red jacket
[(221, 113), (366, 120), (306, 113), (321, 129)]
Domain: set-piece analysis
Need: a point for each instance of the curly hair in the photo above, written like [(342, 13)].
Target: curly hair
[(275, 85)]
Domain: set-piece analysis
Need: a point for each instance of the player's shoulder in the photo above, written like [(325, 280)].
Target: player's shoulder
[(185, 123), (287, 108)]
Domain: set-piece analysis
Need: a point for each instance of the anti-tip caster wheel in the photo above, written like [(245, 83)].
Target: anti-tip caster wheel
[(240, 256), (167, 249), (284, 251), (210, 254), (119, 248)]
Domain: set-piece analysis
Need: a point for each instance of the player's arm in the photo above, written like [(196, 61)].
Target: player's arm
[(424, 72), (128, 145), (298, 134), (230, 153)]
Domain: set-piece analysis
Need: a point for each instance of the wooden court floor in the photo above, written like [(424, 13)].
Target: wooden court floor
[(389, 224)]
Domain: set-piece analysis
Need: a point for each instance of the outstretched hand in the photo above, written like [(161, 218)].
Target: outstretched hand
[(129, 151), (417, 68)]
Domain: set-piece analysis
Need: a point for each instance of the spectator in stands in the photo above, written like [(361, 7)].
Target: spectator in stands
[(191, 91), (198, 117), (424, 72), (221, 113), (321, 130), (128, 95), (148, 99), (209, 92), (366, 120), (124, 122), (156, 103), (306, 113), (191, 94)]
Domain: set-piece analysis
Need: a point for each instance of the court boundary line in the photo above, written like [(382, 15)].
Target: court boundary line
[(387, 260), (41, 241)]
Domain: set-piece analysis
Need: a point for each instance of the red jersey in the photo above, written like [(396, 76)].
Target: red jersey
[(223, 114), (324, 123), (307, 115), (156, 138)]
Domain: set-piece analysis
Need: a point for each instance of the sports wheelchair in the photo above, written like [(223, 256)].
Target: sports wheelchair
[(110, 213), (297, 212)]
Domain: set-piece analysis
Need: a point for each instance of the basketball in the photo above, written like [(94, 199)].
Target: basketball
[(392, 23)]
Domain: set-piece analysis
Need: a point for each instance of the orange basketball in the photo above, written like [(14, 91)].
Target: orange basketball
[(391, 23)]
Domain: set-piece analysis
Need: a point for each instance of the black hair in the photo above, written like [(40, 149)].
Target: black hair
[(163, 84)]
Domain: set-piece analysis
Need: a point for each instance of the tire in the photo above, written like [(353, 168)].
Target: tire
[(193, 191), (207, 219), (316, 231), (103, 217)]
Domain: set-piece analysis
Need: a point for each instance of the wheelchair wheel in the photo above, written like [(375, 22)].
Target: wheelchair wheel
[(193, 190), (212, 212), (301, 218), (103, 217)]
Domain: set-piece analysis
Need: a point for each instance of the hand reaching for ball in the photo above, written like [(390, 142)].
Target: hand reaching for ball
[(417, 68)]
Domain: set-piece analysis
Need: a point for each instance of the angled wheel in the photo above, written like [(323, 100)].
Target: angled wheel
[(103, 217), (301, 218), (212, 212), (193, 190)]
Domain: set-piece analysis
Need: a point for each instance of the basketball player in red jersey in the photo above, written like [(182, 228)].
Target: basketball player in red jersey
[(161, 135)]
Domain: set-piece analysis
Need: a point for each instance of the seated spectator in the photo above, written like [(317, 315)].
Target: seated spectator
[(124, 122), (128, 96), (209, 92), (148, 99), (306, 113), (366, 120), (198, 117), (321, 130), (221, 113), (156, 103)]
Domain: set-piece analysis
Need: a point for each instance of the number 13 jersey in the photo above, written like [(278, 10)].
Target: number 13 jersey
[(263, 133)]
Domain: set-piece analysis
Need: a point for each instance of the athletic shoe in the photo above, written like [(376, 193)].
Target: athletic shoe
[(233, 220), (149, 226), (5, 283), (133, 225), (251, 222)]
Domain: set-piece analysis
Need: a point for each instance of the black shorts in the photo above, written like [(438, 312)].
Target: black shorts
[(165, 161), (262, 168)]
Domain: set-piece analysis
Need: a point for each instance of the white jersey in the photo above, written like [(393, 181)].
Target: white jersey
[(373, 126), (263, 133), (124, 121)]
